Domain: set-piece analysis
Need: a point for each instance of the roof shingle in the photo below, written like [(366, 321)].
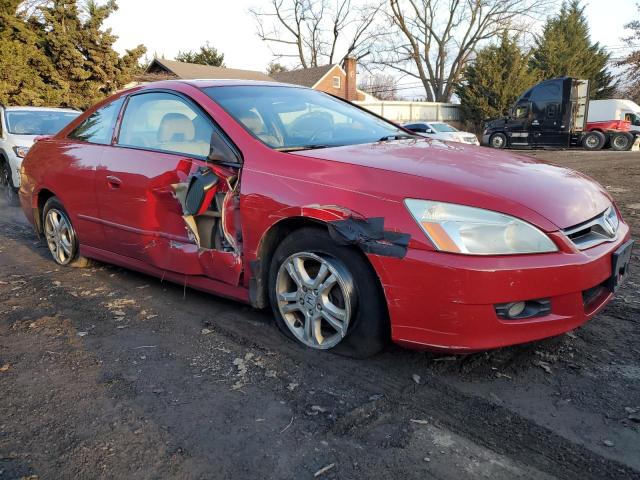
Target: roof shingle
[(191, 71), (306, 77)]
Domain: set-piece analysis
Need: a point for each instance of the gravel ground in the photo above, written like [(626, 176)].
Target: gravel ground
[(106, 373)]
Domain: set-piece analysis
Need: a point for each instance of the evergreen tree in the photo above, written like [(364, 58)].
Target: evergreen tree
[(276, 67), (493, 82), (26, 73), (565, 49), (82, 52), (207, 55)]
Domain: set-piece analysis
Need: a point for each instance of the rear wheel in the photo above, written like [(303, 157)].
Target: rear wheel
[(10, 193), (326, 296), (60, 235), (498, 140), (621, 141), (593, 141)]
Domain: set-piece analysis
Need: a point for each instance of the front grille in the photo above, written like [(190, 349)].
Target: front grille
[(603, 228)]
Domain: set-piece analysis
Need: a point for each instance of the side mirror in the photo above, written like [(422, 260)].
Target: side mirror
[(220, 151)]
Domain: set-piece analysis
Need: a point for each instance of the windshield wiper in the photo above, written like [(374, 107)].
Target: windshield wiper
[(303, 147), (400, 136)]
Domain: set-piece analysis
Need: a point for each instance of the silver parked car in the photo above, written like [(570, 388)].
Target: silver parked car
[(19, 127), (441, 131)]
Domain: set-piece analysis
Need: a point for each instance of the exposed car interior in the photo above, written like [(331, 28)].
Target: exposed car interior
[(161, 121)]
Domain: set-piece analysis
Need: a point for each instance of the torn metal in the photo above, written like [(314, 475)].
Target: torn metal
[(209, 203), (370, 236)]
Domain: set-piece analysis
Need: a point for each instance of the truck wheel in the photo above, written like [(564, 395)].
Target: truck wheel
[(621, 142), (498, 140), (593, 141)]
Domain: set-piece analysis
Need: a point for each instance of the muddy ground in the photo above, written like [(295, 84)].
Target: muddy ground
[(106, 373)]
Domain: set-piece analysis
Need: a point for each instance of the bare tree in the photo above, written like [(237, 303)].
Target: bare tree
[(383, 87), (630, 64), (433, 40), (317, 32)]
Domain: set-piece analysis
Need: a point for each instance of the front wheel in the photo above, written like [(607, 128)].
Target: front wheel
[(498, 140), (60, 235), (10, 192), (326, 296)]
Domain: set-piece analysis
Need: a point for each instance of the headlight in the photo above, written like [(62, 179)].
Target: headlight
[(474, 231), (21, 151)]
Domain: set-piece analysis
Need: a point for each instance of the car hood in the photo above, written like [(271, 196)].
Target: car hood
[(23, 140), (480, 177)]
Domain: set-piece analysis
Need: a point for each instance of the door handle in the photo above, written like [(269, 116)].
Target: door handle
[(114, 182)]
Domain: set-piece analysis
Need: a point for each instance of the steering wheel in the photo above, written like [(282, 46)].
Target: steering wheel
[(317, 132)]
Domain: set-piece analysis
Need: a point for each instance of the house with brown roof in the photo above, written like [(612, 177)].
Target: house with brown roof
[(165, 69), (331, 79)]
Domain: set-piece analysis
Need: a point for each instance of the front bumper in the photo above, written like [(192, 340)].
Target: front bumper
[(446, 302)]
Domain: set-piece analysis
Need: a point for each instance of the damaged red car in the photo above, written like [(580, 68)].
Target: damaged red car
[(354, 230)]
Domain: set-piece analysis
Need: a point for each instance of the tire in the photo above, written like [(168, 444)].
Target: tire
[(498, 140), (62, 240), (621, 142), (350, 317), (593, 141), (10, 193)]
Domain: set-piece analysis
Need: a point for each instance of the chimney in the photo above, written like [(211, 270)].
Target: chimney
[(350, 84)]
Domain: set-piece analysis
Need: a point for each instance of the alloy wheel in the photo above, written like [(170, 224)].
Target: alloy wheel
[(316, 298), (61, 238)]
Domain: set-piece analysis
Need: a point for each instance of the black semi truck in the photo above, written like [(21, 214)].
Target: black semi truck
[(553, 113)]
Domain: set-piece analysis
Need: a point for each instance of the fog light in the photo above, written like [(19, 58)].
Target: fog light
[(516, 309), (521, 310)]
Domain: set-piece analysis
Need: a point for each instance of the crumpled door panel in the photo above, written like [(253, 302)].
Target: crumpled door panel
[(206, 200)]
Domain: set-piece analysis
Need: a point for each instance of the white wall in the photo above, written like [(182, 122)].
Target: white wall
[(413, 111)]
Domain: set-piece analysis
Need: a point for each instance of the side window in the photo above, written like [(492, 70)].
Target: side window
[(336, 82), (166, 122), (98, 127), (521, 111)]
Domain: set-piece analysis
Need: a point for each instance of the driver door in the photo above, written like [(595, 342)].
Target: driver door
[(164, 145), (518, 127)]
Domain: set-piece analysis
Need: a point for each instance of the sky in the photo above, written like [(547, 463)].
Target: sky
[(166, 27)]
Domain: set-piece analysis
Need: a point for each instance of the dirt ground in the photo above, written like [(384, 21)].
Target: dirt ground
[(106, 373)]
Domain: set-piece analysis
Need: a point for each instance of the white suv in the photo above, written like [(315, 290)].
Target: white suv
[(19, 127)]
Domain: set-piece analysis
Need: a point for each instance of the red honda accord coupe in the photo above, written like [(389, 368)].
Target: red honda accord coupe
[(352, 229)]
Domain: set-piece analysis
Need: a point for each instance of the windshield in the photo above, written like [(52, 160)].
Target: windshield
[(443, 128), (33, 122), (289, 118)]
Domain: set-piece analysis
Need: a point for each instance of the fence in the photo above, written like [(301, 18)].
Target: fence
[(401, 112)]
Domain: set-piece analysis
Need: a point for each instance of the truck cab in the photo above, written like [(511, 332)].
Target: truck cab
[(548, 114), (554, 114), (615, 109)]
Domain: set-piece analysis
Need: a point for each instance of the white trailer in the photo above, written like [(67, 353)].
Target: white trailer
[(615, 109)]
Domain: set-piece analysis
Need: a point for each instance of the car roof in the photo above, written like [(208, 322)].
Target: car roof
[(41, 109), (213, 82)]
